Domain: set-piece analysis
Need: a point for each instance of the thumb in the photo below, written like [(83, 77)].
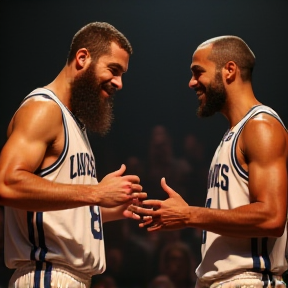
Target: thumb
[(118, 172), (166, 188)]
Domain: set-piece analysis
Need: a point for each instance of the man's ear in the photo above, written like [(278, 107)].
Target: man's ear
[(82, 58), (230, 71)]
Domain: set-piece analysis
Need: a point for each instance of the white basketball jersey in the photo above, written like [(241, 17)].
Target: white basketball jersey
[(71, 237), (228, 189)]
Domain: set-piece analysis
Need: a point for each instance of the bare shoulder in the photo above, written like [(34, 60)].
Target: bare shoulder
[(37, 114), (264, 136), (36, 130)]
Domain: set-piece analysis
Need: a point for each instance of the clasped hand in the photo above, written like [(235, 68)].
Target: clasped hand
[(116, 189), (168, 214)]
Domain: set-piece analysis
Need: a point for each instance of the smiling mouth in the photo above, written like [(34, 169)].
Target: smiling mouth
[(110, 92), (199, 93)]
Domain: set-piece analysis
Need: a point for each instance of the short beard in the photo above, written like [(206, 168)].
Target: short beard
[(215, 98), (93, 110)]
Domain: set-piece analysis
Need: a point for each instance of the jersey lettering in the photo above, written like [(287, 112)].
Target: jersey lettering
[(96, 227), (225, 178), (218, 177), (229, 136), (81, 165)]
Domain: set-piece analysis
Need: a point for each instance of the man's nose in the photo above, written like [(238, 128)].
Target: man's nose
[(117, 82), (192, 83)]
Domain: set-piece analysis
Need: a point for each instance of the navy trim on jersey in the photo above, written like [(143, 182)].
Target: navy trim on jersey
[(37, 275), (42, 173), (63, 154), (265, 280), (255, 255), (78, 122), (242, 173), (265, 254), (41, 236), (31, 234), (47, 276)]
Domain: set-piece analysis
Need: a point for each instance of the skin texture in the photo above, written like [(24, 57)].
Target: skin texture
[(261, 150), (21, 188)]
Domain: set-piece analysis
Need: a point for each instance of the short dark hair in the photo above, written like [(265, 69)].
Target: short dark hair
[(232, 48), (97, 37)]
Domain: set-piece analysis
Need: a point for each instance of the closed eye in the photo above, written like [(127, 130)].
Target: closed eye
[(116, 69), (197, 70)]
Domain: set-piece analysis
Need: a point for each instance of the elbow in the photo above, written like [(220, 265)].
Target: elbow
[(278, 231), (3, 193), (7, 183), (276, 228)]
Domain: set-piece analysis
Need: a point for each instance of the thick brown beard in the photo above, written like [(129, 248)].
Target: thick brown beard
[(93, 110), (215, 98)]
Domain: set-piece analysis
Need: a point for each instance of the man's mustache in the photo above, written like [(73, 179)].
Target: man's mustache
[(109, 88)]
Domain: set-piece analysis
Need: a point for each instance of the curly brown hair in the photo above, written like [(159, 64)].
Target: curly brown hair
[(97, 37)]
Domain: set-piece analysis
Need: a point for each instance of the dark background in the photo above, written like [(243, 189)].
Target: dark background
[(36, 35), (164, 33)]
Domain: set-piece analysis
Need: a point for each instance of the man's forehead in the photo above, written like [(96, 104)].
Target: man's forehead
[(201, 54), (117, 56), (202, 51)]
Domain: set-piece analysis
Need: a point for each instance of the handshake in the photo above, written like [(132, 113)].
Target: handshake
[(169, 214), (116, 190)]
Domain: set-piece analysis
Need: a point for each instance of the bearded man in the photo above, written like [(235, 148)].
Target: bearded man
[(54, 205)]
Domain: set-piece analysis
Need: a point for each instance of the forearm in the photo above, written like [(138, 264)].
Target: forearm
[(30, 192), (245, 221), (112, 214)]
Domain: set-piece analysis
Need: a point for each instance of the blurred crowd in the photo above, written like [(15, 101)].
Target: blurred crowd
[(137, 258)]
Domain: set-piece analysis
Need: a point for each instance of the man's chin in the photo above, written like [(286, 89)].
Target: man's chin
[(203, 113), (103, 94)]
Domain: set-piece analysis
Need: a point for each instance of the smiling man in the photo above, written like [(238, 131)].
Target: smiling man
[(244, 221), (54, 205)]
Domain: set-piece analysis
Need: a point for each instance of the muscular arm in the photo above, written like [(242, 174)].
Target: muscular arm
[(35, 139), (264, 146)]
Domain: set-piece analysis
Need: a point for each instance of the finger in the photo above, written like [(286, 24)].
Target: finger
[(132, 178), (136, 187), (136, 202), (152, 203), (147, 218), (139, 195), (142, 211), (136, 217), (154, 228), (150, 225), (166, 188), (129, 214), (146, 222)]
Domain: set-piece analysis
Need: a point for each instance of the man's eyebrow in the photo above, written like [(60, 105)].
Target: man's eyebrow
[(117, 66), (197, 68)]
